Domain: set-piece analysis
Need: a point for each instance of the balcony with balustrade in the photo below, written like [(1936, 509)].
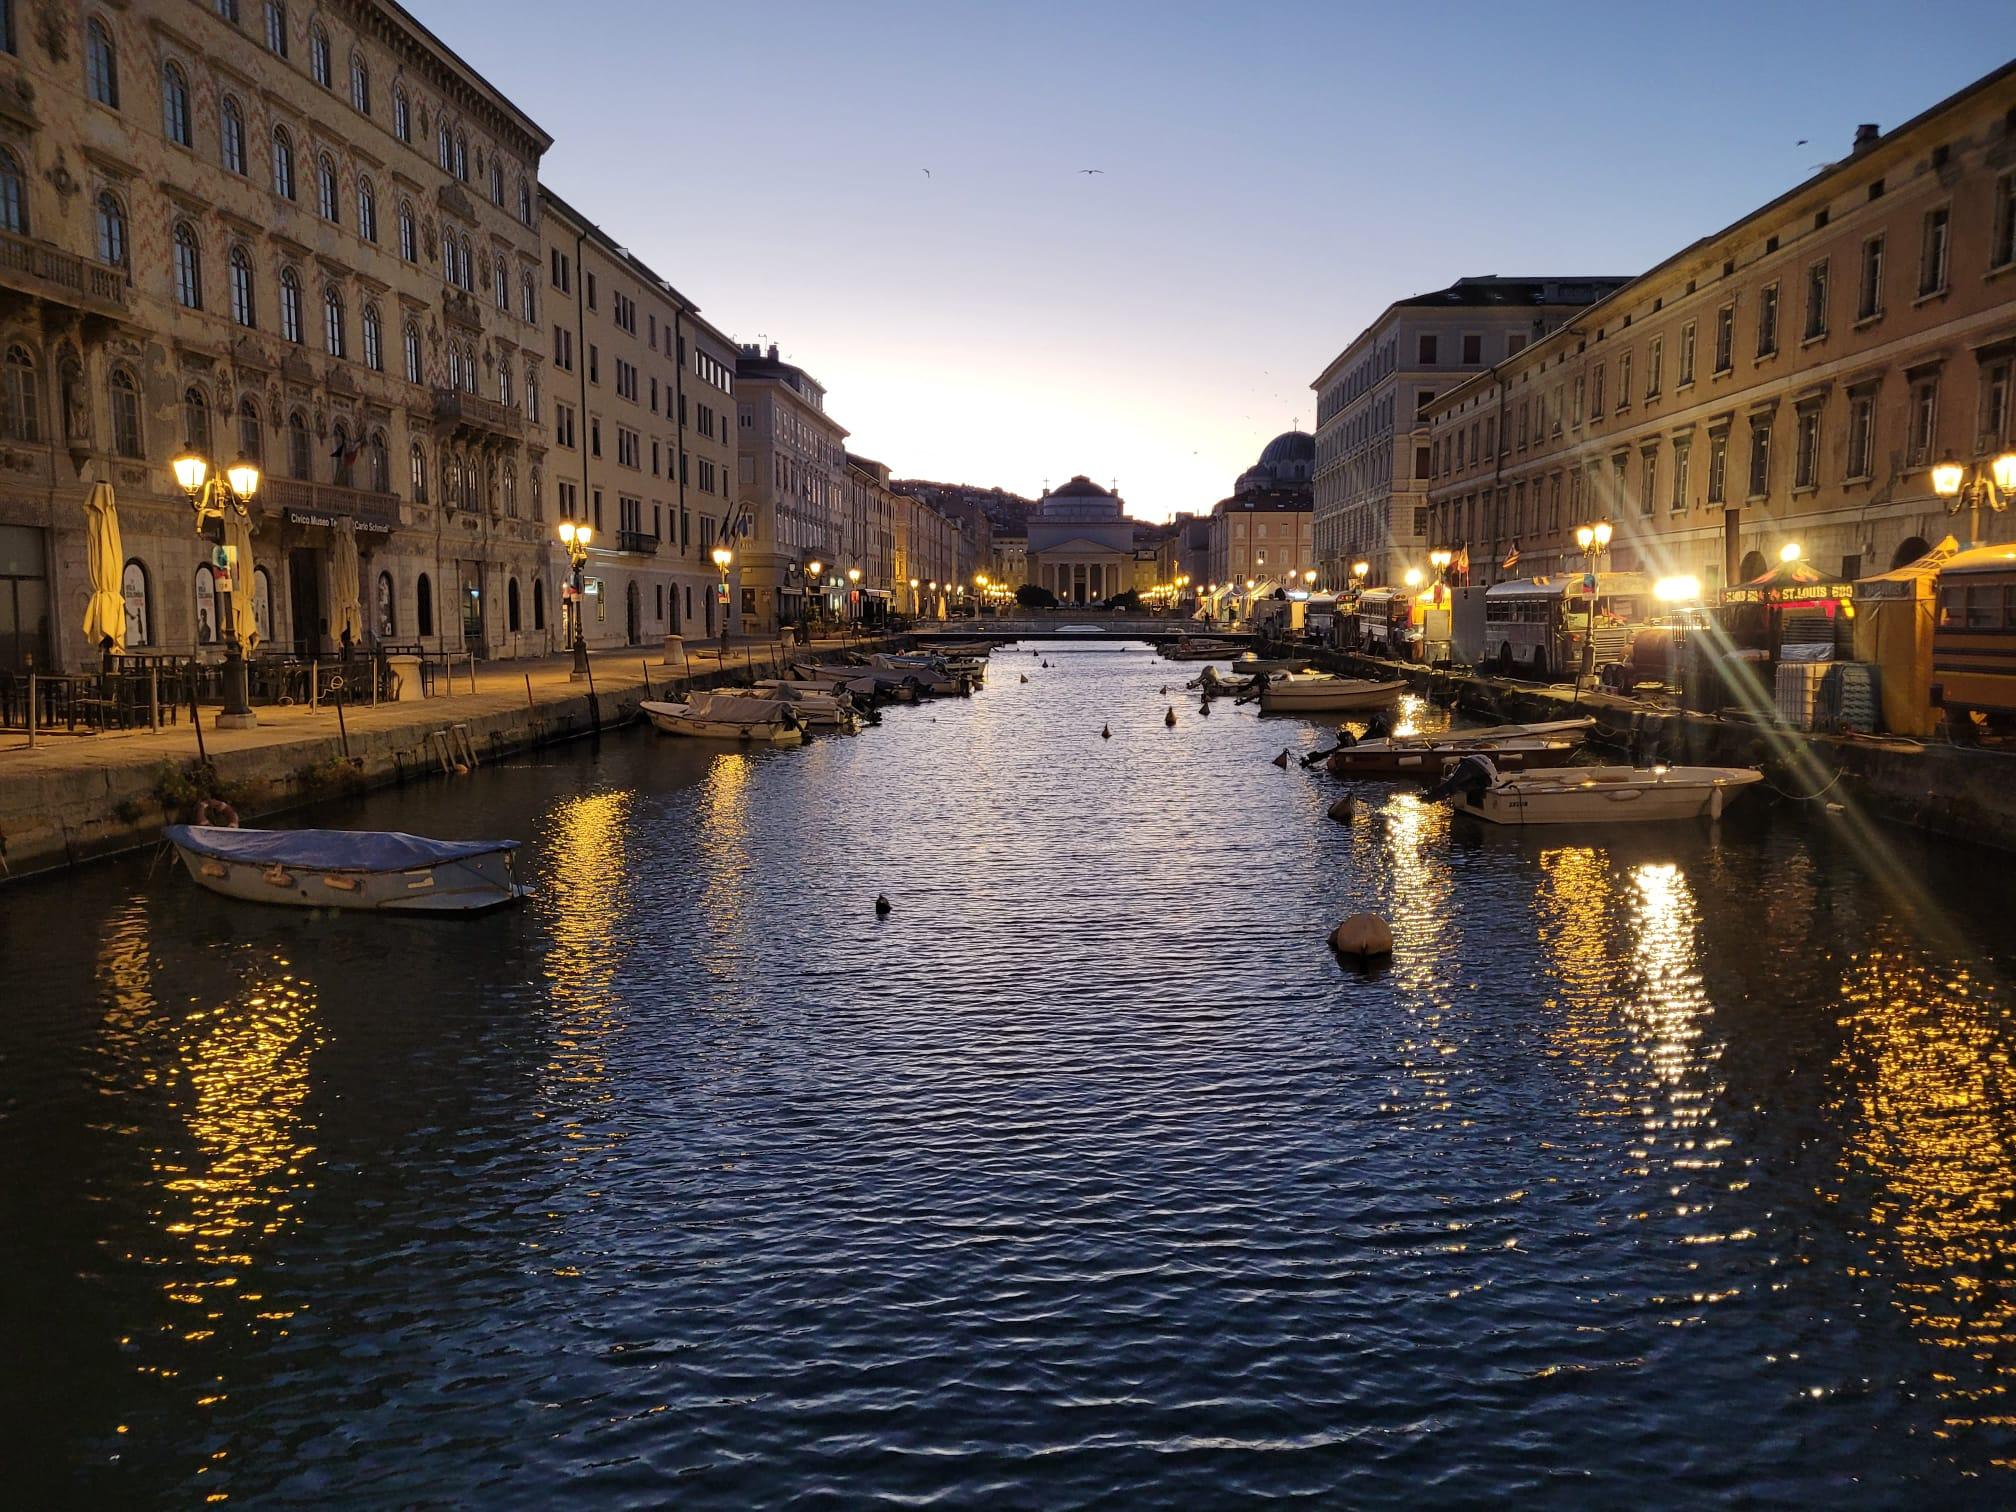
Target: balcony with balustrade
[(643, 543), (43, 271), (477, 417), (366, 507)]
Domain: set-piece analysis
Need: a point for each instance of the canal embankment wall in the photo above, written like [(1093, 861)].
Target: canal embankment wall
[(74, 798), (1965, 792)]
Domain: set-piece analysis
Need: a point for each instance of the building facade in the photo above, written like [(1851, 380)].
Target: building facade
[(1266, 530), (792, 460), (310, 238), (1081, 544), (926, 558), (1371, 463), (1789, 380), (643, 441)]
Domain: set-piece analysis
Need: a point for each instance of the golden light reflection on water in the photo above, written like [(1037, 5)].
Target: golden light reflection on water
[(1924, 1108), (236, 1071), (727, 868), (586, 899), (1427, 934)]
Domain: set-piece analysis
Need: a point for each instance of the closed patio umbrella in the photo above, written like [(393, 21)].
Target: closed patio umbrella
[(244, 614), (349, 614), (105, 555)]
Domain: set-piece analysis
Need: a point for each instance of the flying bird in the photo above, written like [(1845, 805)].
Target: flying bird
[(1800, 143), (1091, 170), (927, 173)]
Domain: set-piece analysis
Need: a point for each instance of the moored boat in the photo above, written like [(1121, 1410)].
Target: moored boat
[(371, 870), (1321, 693), (1590, 795), (1391, 758), (1246, 664), (813, 703), (715, 715)]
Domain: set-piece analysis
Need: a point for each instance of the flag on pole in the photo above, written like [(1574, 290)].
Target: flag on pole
[(1511, 558), (1462, 561)]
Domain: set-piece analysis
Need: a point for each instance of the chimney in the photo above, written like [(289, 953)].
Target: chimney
[(1865, 136), (773, 351)]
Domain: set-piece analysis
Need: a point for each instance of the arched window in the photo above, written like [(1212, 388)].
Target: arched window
[(343, 471), (378, 464), (139, 597), (528, 297), (243, 309), (262, 603), (101, 65), (524, 200), (334, 338), (468, 267), (290, 305), (206, 606), (111, 230), (423, 605), (504, 383), (462, 157), (175, 105), (231, 135), (13, 194), (367, 209), (276, 27), (318, 56), (283, 163), (251, 440), (538, 603), (402, 115), (188, 268), (325, 188), (496, 182), (444, 148), (374, 342), (532, 398), (410, 345), (300, 461), (409, 241), (360, 84), (416, 482), (511, 606), (126, 438), (502, 280), (510, 492), (388, 620), (196, 420), (21, 403)]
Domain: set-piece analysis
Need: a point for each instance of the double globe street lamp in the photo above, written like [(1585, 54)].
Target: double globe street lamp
[(1594, 539), (723, 557), (575, 537), (1990, 489), (212, 495)]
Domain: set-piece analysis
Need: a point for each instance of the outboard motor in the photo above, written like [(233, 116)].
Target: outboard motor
[(1471, 777), (1378, 727)]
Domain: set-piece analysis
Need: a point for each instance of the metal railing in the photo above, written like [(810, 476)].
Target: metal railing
[(327, 498), (457, 407), (637, 540)]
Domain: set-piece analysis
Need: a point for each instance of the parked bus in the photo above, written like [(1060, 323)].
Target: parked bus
[(1386, 623), (1535, 626), (1974, 640)]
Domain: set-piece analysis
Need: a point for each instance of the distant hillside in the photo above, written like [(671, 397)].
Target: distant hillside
[(1008, 512)]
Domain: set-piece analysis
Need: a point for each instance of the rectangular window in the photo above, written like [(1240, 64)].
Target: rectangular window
[(1718, 468), (594, 363), (1725, 338), (1924, 420), (1995, 384), (1767, 321), (1932, 253), (1596, 393), (1806, 456), (1554, 505), (1624, 381), (1427, 349), (1869, 304), (1422, 400), (1682, 454), (1581, 397), (1861, 435), (1420, 461), (1473, 349), (1760, 458), (588, 287), (1816, 300), (1648, 484), (2002, 245), (1655, 363), (594, 435), (1686, 354)]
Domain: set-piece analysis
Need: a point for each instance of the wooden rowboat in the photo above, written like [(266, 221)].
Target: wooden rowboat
[(372, 870)]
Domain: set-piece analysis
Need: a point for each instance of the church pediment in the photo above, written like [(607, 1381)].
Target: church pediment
[(1081, 546)]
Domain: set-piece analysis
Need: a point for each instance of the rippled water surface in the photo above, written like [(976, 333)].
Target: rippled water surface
[(1658, 1166)]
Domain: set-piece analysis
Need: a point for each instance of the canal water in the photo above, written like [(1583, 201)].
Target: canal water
[(1657, 1166)]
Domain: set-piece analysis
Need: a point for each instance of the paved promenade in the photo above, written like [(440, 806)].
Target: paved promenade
[(75, 795)]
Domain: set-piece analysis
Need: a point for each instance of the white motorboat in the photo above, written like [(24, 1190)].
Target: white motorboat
[(716, 715), (1246, 664), (375, 870), (1591, 795), (1401, 758), (814, 704), (1321, 693)]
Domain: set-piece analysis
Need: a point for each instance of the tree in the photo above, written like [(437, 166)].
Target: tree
[(1130, 600), (1035, 596)]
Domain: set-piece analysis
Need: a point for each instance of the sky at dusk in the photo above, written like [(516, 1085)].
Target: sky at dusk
[(1274, 176)]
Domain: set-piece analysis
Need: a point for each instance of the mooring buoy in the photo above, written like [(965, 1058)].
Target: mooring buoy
[(1204, 707), (882, 905), (1362, 937), (1343, 811), (1281, 761), (1169, 718), (1106, 732)]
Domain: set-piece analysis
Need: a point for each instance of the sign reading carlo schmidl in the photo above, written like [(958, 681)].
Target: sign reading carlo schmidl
[(332, 522)]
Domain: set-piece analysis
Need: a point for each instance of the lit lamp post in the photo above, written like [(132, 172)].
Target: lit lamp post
[(812, 570), (1992, 489), (210, 495), (1594, 541), (853, 591), (722, 558), (575, 538), (1439, 559), (980, 603), (916, 610)]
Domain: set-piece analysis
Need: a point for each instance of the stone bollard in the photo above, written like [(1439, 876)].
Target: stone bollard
[(675, 654)]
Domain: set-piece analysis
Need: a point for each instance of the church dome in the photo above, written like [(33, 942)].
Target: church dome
[(1289, 446), (1080, 487)]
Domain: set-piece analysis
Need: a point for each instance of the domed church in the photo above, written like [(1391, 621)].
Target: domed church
[(1081, 544)]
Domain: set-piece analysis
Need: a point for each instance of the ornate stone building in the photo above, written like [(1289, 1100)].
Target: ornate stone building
[(1266, 530), (304, 234), (793, 477), (1081, 543)]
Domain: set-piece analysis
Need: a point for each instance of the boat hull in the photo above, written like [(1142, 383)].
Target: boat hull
[(709, 729), (1325, 698), (1409, 760), (1541, 798), (468, 885)]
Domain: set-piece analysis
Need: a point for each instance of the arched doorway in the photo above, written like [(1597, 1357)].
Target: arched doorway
[(1908, 551), (1753, 566), (633, 614)]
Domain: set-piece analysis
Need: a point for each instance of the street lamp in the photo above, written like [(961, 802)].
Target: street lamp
[(1789, 552), (1993, 488), (211, 495), (1594, 541), (1412, 577), (916, 609), (722, 558), (980, 605), (853, 585), (806, 614), (576, 538)]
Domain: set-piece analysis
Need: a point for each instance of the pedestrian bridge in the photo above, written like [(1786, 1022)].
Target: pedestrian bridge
[(1063, 624)]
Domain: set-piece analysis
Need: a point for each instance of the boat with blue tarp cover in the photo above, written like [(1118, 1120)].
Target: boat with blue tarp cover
[(383, 870)]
